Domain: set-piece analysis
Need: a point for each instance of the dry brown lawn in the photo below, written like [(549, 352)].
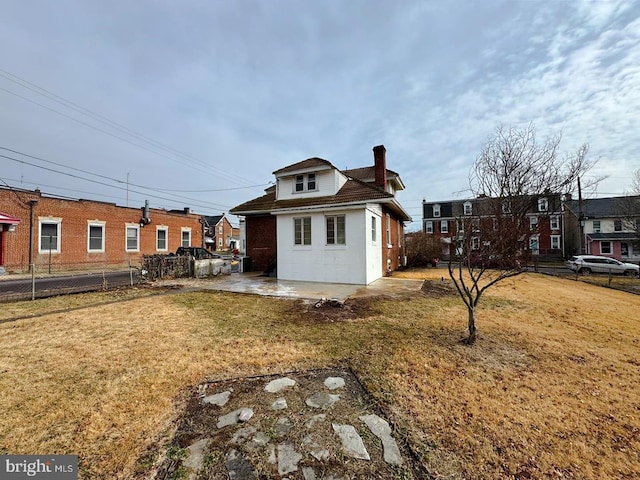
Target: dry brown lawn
[(549, 391)]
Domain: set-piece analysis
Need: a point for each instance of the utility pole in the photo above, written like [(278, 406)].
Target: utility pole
[(127, 189)]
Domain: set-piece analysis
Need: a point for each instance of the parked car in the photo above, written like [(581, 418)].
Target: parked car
[(587, 264), (198, 253)]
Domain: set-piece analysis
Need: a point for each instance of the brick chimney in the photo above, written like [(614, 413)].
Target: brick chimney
[(380, 165)]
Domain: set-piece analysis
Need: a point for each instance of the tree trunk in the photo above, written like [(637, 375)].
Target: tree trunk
[(473, 331)]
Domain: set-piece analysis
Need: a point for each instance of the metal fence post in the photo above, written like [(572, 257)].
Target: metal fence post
[(33, 281)]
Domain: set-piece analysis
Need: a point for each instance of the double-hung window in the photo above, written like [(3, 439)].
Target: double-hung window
[(533, 222), (444, 226), (336, 230), (467, 208), (95, 237), (555, 242), (428, 226), (302, 231), (543, 204), (162, 235), (596, 226), (50, 235), (436, 210), (388, 229), (554, 222), (186, 237), (305, 182), (605, 248), (133, 238), (374, 230)]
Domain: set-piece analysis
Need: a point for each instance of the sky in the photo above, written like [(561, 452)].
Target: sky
[(195, 103)]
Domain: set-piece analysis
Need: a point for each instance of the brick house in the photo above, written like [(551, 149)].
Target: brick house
[(318, 223), (72, 233), (443, 220), (219, 234), (607, 228)]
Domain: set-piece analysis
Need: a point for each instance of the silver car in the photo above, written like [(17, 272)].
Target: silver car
[(595, 264)]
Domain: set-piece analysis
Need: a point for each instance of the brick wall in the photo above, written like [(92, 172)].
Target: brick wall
[(260, 231), (395, 253), (74, 217)]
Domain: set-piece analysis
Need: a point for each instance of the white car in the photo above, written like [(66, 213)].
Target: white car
[(593, 263)]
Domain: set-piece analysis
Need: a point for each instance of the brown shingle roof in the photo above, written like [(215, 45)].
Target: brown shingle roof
[(366, 173), (351, 191), (308, 163)]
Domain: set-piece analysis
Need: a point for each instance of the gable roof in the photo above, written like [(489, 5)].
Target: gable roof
[(212, 220), (600, 207), (313, 162)]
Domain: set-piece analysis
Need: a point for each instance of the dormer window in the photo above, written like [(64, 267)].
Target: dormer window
[(543, 204), (436, 210), (467, 208), (305, 182)]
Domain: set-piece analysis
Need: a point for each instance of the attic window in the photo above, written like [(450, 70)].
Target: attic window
[(308, 181), (436, 210), (467, 208)]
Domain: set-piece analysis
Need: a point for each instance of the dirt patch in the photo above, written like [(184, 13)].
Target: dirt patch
[(328, 311), (258, 441), (438, 288)]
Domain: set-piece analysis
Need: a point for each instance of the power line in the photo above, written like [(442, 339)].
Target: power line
[(112, 186), (203, 167)]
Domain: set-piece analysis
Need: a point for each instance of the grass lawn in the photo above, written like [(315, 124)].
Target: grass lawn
[(549, 391)]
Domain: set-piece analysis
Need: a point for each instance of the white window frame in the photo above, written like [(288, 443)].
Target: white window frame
[(533, 222), (374, 229), (299, 224), (475, 243), (554, 222), (333, 220), (220, 242), (220, 229), (302, 183), (136, 227), (598, 228), (445, 224), (184, 230), (388, 217), (467, 208), (96, 224), (534, 241), (606, 242), (436, 210), (543, 205), (428, 226), (165, 229), (555, 242), (50, 221)]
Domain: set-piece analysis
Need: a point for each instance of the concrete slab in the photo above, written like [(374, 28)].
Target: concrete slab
[(254, 283)]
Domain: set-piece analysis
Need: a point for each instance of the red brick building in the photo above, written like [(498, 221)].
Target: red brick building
[(70, 233)]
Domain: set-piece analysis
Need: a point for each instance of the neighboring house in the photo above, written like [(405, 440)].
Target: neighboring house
[(443, 220), (218, 232), (606, 229), (72, 233), (8, 225), (318, 223)]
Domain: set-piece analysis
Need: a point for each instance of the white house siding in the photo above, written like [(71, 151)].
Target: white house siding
[(320, 262), (328, 182), (373, 248)]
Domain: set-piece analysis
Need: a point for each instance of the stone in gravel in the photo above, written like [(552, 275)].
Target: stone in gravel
[(272, 455), (234, 417), (314, 420), (288, 458), (196, 456), (283, 426), (219, 399), (322, 400), (274, 386), (259, 440), (316, 450), (279, 404), (381, 429), (238, 467), (333, 383), (241, 435), (351, 441), (309, 473)]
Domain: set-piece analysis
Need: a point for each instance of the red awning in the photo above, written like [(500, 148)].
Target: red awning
[(6, 218)]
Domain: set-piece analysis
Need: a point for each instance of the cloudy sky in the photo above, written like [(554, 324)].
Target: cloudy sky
[(198, 102)]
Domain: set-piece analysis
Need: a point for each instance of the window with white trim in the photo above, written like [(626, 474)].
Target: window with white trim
[(428, 226), (220, 242), (302, 231), (475, 243), (133, 238), (374, 230), (533, 222), (220, 229), (388, 229), (543, 204), (436, 210), (305, 182), (49, 230), (185, 239), (596, 226), (162, 238), (335, 230), (554, 222), (467, 208), (555, 242), (605, 248), (534, 245), (444, 226), (95, 237)]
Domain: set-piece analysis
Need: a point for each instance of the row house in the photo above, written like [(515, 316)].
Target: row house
[(604, 226), (219, 234), (40, 229), (447, 220)]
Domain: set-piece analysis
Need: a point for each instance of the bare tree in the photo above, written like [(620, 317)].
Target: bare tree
[(629, 208), (513, 177), (422, 249)]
